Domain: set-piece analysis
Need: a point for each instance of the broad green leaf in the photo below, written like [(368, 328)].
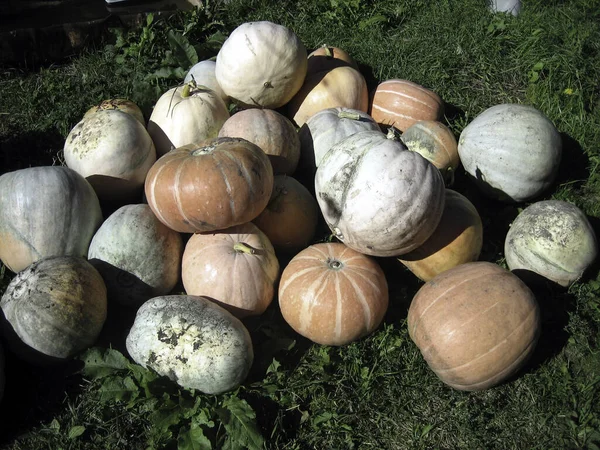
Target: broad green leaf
[(193, 438), (168, 73), (118, 389), (76, 431), (54, 425), (98, 363), (239, 419), (183, 51)]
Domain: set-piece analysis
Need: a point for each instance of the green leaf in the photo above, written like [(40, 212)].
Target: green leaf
[(99, 363), (193, 438), (118, 389), (168, 73), (54, 425), (371, 22), (76, 431), (239, 419), (183, 51)]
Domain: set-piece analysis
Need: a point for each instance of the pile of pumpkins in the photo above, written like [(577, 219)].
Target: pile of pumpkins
[(208, 197)]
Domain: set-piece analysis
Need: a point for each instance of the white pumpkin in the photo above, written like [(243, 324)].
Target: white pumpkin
[(552, 238), (138, 256), (203, 74), (113, 151), (506, 6), (193, 341), (261, 64), (377, 197), (185, 115), (511, 151), (328, 127)]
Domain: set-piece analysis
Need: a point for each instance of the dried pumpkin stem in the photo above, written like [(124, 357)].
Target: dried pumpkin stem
[(348, 115)]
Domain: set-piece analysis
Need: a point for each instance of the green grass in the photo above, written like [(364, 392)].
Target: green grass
[(378, 392)]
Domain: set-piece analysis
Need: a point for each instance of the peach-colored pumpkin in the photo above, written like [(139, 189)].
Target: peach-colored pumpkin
[(274, 133), (326, 58), (475, 325), (435, 142), (456, 240), (342, 86), (237, 268), (332, 294), (402, 103), (290, 219), (212, 185)]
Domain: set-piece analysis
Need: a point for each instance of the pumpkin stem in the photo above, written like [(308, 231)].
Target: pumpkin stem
[(393, 133), (240, 247), (335, 264), (348, 115)]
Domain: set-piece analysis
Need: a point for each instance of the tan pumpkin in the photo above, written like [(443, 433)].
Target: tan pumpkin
[(121, 104), (326, 58), (475, 325), (332, 294), (237, 268), (271, 131), (291, 216), (402, 103), (435, 142), (212, 185), (342, 86), (456, 240)]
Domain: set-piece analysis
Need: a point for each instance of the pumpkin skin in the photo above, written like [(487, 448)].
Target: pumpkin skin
[(193, 341), (333, 295), (339, 87), (179, 119), (506, 6), (328, 127), (436, 143), (326, 58), (212, 185), (402, 103), (121, 104), (377, 197), (511, 151), (272, 132), (113, 151), (138, 256), (45, 211), (236, 267), (457, 240), (552, 238), (56, 306), (203, 74), (291, 216), (261, 64), (475, 325)]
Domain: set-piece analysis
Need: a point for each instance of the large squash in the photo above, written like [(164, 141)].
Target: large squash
[(236, 267), (551, 238), (56, 307), (121, 104), (511, 151), (186, 115), (326, 58), (475, 324), (45, 211), (212, 185), (203, 74), (193, 341), (377, 197), (261, 64), (138, 256), (114, 152), (333, 295)]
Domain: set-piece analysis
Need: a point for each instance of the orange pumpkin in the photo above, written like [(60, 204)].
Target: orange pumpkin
[(290, 219), (456, 240), (475, 325), (215, 184), (237, 268), (402, 103), (332, 294), (326, 58)]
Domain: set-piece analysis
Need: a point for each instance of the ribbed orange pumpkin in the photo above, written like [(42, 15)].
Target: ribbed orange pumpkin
[(475, 325), (212, 185), (332, 294), (402, 103), (456, 240)]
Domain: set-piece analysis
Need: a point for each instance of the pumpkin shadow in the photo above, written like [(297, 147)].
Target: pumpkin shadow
[(31, 149), (574, 163)]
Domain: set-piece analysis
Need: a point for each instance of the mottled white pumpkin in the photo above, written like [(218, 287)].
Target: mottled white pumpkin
[(56, 306), (261, 64), (235, 267), (45, 211), (121, 104), (113, 151), (511, 151), (552, 238), (377, 197), (328, 127), (203, 73), (193, 341), (138, 256), (180, 117)]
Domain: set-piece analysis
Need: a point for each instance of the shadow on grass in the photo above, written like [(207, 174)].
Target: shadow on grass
[(31, 149)]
